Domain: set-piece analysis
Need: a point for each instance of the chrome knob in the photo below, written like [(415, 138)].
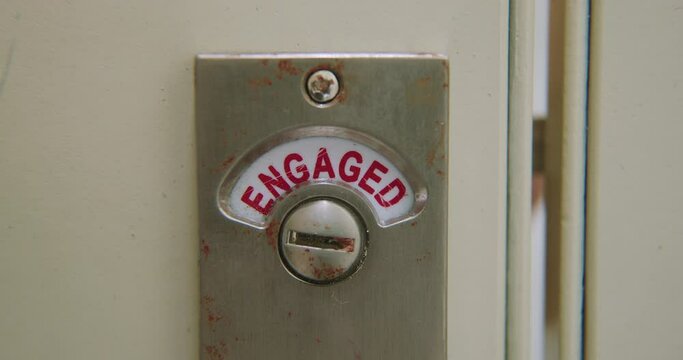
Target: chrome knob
[(322, 241)]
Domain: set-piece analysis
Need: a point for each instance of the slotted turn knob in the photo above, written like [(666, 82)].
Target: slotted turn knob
[(322, 241)]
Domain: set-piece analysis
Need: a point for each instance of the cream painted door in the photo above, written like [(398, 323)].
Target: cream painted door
[(634, 243), (98, 217)]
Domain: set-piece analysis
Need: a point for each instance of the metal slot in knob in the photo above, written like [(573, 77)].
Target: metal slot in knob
[(322, 241)]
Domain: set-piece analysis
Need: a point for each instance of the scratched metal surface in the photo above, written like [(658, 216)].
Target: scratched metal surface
[(395, 306)]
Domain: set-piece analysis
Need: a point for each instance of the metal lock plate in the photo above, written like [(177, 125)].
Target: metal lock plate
[(322, 201)]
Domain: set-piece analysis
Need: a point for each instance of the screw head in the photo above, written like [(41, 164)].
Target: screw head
[(322, 86)]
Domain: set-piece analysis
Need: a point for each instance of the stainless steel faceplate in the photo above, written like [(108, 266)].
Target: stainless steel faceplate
[(394, 307)]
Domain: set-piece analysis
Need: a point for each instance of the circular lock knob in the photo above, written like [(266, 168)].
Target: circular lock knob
[(322, 241)]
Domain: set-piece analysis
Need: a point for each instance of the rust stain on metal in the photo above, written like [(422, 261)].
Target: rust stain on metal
[(285, 67), (216, 352), (424, 81), (207, 300), (444, 64), (331, 272), (346, 244), (225, 164), (325, 272), (212, 316), (265, 81), (356, 352), (272, 233), (431, 154), (316, 271), (264, 62), (228, 161), (413, 224), (342, 96), (422, 92), (205, 249)]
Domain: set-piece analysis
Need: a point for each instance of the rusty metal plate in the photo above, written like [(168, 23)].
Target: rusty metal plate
[(384, 138)]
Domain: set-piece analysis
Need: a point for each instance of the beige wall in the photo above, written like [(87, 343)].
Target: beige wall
[(635, 202), (98, 247)]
